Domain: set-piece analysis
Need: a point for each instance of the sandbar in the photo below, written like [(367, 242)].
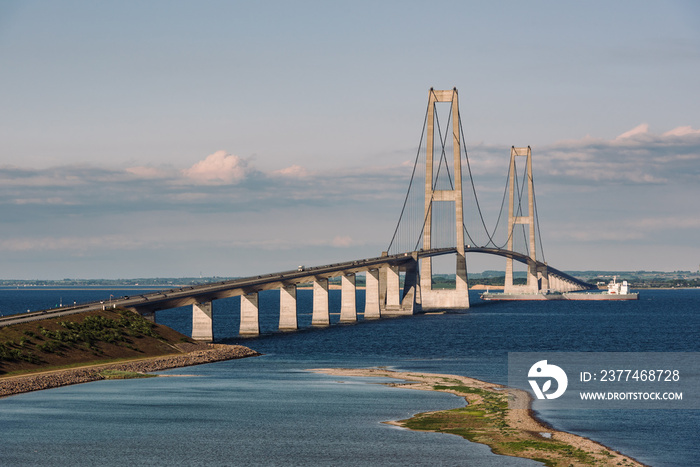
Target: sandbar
[(488, 419)]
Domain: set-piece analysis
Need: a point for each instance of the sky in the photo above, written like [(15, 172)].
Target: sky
[(232, 138)]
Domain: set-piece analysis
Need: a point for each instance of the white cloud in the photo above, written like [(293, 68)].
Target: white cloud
[(294, 171), (70, 243), (218, 168), (637, 156), (663, 223), (621, 229), (642, 129), (148, 172), (54, 200), (592, 190), (342, 241), (682, 131)]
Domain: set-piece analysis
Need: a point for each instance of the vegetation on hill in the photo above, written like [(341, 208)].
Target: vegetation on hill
[(446, 281), (95, 337)]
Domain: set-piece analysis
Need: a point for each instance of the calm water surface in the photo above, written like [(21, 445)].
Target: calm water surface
[(270, 411)]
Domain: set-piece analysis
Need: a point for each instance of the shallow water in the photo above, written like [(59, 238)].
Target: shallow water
[(257, 411), (269, 411)]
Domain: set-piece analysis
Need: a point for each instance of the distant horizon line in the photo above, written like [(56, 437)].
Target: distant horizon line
[(174, 279)]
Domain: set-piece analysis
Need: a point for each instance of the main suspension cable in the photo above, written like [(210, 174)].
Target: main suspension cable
[(490, 234), (537, 218), (413, 173), (520, 189), (476, 198), (433, 181)]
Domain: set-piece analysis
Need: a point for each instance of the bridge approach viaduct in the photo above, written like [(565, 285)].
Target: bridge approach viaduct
[(384, 296)]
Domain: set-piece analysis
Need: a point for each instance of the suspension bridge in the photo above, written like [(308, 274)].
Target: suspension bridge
[(400, 281)]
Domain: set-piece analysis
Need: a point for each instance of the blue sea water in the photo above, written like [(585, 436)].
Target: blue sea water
[(270, 411)]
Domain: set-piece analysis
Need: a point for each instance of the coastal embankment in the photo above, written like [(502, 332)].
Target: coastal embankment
[(489, 419), (201, 353)]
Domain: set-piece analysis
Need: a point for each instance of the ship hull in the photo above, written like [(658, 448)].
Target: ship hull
[(559, 296), (600, 296), (521, 296)]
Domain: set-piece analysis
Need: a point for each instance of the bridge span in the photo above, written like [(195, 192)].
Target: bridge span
[(384, 296)]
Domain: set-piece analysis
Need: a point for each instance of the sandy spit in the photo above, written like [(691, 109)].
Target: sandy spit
[(523, 420)]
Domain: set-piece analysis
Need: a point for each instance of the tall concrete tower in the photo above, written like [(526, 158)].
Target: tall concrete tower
[(536, 280), (440, 299)]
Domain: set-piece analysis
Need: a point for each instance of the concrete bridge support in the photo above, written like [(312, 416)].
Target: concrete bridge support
[(532, 282), (250, 322), (288, 308), (559, 285), (531, 287), (443, 299), (411, 289), (348, 305), (555, 284), (320, 316), (392, 302), (543, 278), (372, 310), (393, 298), (202, 322)]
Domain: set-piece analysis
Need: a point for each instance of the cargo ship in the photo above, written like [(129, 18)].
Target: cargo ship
[(544, 295), (616, 291)]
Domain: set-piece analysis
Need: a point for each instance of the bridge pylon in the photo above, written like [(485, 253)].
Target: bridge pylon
[(441, 299), (537, 276)]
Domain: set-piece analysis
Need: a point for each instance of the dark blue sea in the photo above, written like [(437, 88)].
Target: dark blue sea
[(270, 411)]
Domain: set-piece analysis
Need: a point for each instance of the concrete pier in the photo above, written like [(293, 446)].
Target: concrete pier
[(372, 310), (411, 289), (543, 278), (348, 306), (444, 299), (320, 316), (250, 321), (288, 308), (202, 322), (560, 285), (393, 294)]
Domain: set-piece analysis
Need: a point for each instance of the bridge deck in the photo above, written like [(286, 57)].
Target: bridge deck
[(184, 296)]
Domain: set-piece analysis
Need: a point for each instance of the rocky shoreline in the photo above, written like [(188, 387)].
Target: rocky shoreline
[(53, 379)]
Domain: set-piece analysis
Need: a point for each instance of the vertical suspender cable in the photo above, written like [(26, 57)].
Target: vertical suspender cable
[(420, 144)]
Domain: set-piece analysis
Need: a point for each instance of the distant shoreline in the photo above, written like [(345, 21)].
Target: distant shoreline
[(83, 287), (300, 286)]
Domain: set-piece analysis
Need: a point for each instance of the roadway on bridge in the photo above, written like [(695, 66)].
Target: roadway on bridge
[(184, 296)]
